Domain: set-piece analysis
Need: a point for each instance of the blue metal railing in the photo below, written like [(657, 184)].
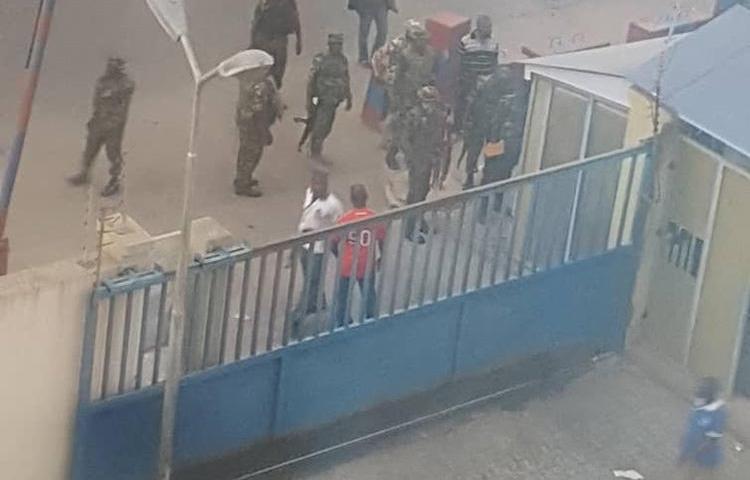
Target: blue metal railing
[(244, 303)]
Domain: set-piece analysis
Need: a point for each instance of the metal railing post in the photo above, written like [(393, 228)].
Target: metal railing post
[(573, 218)]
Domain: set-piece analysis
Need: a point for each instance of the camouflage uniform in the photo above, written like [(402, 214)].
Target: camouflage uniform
[(411, 65), (273, 22), (258, 108), (488, 109), (327, 87), (112, 96), (499, 168), (425, 146)]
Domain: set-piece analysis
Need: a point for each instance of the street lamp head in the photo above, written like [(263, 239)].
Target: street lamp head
[(171, 16), (255, 61)]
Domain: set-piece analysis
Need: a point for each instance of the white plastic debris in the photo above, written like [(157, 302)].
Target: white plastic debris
[(628, 474), (738, 447)]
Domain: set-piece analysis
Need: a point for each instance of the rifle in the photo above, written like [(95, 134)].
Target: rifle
[(464, 152), (308, 122)]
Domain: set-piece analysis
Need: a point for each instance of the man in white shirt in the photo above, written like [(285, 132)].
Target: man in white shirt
[(320, 210)]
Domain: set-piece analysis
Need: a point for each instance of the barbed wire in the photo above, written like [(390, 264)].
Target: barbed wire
[(106, 218)]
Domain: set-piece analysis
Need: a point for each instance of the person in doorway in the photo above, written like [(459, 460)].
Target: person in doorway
[(112, 97), (356, 253), (700, 454), (426, 145), (320, 210), (258, 108), (328, 86), (273, 22), (370, 11)]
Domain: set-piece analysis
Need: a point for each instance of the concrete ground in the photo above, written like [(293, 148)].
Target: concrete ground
[(613, 418), (50, 220)]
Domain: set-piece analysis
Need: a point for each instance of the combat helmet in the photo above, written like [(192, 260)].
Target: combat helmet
[(416, 31), (428, 93)]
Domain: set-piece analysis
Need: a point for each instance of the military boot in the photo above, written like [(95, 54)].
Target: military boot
[(250, 189), (112, 187), (81, 178), (469, 183), (390, 159)]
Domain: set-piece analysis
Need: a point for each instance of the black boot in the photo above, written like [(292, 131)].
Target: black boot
[(469, 183), (390, 159), (112, 187), (78, 179), (250, 189)]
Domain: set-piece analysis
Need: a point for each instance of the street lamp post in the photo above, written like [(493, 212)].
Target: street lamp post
[(173, 19)]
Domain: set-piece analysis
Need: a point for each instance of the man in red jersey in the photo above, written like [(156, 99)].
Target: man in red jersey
[(356, 254)]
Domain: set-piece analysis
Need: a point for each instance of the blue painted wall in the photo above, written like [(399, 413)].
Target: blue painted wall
[(309, 385)]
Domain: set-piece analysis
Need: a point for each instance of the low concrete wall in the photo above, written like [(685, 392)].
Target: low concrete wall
[(41, 324), (42, 313)]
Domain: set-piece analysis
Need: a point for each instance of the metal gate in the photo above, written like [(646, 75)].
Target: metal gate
[(742, 378), (252, 308)]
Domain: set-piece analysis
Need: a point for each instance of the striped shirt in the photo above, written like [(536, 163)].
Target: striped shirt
[(478, 56)]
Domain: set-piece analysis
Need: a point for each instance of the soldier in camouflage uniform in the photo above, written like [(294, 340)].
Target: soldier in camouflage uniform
[(327, 87), (112, 96), (500, 167), (258, 108), (411, 66), (426, 143), (488, 109), (273, 22)]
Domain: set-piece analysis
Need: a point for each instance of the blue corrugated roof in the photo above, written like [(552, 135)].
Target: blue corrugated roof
[(706, 78)]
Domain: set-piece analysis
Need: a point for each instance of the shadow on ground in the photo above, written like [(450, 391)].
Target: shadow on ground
[(542, 376)]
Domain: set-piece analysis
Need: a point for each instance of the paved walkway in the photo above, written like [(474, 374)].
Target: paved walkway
[(612, 418), (48, 218)]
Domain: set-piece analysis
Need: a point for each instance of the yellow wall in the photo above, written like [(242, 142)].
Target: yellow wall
[(664, 296), (41, 319), (640, 119), (686, 201), (640, 128), (725, 288)]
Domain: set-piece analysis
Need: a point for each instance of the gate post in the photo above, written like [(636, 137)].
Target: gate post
[(84, 385)]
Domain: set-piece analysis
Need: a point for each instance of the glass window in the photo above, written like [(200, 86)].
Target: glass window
[(565, 128), (537, 124), (599, 187), (607, 132)]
